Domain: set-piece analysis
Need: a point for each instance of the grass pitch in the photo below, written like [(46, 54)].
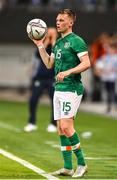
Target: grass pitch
[(42, 148)]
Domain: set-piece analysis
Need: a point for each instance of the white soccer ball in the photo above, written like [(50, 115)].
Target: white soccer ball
[(36, 29)]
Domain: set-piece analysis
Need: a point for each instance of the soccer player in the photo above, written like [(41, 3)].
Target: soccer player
[(106, 69), (69, 58)]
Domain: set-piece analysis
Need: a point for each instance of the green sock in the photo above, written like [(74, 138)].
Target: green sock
[(74, 139), (66, 152)]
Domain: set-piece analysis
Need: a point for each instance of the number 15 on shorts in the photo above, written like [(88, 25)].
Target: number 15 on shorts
[(66, 107)]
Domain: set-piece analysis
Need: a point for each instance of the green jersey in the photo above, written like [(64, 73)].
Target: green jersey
[(66, 52)]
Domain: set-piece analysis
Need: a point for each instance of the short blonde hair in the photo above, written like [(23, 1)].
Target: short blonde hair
[(69, 12)]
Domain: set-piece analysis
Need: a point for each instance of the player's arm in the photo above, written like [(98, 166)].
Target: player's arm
[(48, 60), (84, 65)]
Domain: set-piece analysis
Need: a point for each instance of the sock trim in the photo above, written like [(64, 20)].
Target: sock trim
[(69, 148), (76, 146), (66, 148)]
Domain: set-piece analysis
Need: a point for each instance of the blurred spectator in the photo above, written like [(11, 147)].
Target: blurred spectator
[(35, 2), (4, 4), (89, 5), (13, 3), (25, 2), (42, 80), (40, 2), (112, 4), (106, 68), (81, 5), (98, 48), (101, 5), (59, 3), (45, 2)]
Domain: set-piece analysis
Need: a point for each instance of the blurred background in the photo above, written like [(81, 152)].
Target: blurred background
[(96, 121), (96, 23)]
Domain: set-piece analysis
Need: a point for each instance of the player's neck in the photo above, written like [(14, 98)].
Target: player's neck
[(66, 33)]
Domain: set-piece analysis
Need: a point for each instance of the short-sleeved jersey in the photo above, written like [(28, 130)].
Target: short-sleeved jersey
[(66, 52)]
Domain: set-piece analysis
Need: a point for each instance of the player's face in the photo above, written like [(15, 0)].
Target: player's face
[(63, 23)]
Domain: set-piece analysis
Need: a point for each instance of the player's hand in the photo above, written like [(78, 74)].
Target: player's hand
[(60, 76), (38, 42)]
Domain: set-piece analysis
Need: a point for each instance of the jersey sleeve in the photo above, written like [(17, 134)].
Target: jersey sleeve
[(79, 46)]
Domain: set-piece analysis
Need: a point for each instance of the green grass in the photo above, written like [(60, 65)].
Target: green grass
[(32, 147)]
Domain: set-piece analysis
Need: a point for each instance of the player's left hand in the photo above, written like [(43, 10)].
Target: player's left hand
[(61, 75)]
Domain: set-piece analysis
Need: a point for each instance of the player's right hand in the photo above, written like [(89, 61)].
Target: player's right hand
[(38, 42)]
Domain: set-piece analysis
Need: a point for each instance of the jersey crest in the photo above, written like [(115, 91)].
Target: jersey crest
[(67, 45)]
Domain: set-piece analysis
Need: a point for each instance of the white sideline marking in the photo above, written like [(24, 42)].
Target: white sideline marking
[(9, 127), (100, 158), (27, 164)]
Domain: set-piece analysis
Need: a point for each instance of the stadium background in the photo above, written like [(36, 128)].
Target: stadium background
[(15, 55)]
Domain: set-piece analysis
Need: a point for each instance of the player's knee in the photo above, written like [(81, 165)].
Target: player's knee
[(65, 128)]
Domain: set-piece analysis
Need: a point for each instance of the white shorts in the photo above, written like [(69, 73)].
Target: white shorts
[(66, 104)]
